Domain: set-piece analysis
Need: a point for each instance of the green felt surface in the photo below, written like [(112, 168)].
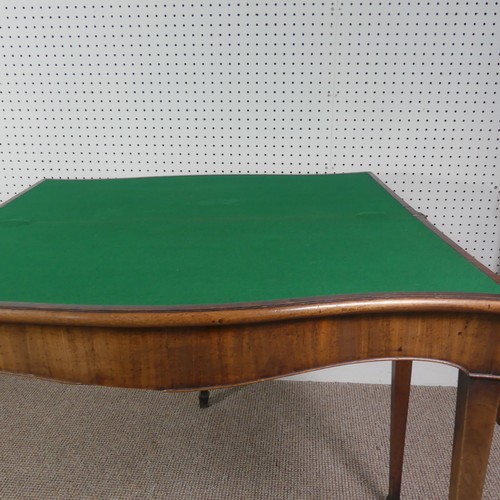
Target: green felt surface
[(219, 239)]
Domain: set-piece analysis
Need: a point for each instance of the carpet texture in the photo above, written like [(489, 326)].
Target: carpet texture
[(274, 440)]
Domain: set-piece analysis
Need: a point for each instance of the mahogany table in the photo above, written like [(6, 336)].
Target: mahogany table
[(194, 283)]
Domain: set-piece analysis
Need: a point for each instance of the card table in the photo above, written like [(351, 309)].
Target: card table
[(202, 282)]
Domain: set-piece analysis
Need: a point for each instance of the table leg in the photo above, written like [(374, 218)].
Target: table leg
[(400, 395), (477, 406), (203, 398)]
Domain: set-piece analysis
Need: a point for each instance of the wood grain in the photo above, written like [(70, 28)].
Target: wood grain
[(477, 404), (254, 312), (204, 357), (400, 396), (201, 350)]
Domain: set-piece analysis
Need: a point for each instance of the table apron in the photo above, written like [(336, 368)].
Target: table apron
[(183, 358)]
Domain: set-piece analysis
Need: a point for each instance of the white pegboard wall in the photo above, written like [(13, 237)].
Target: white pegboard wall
[(405, 89), (118, 89)]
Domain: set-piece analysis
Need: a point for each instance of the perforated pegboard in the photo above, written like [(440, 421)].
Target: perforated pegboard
[(405, 89), (120, 89)]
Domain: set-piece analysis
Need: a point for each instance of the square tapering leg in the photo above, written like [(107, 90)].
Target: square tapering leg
[(477, 406), (400, 396)]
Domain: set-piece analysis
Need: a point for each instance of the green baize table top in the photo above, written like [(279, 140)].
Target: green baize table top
[(199, 240)]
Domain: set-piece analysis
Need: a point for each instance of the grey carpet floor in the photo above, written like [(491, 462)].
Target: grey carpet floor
[(274, 440)]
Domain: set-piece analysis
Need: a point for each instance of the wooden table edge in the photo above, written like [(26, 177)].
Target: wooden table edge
[(242, 313)]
